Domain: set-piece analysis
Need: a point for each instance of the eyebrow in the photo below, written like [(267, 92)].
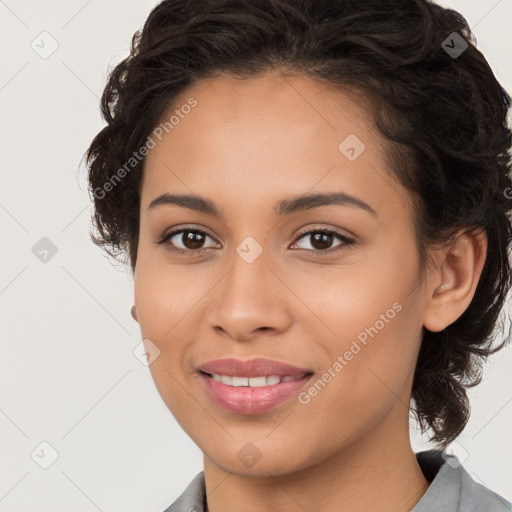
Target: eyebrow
[(282, 208)]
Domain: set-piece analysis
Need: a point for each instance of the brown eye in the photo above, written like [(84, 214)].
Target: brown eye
[(192, 239), (186, 241), (321, 240)]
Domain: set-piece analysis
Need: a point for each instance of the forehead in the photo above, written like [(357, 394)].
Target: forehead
[(301, 93), (261, 102), (270, 134)]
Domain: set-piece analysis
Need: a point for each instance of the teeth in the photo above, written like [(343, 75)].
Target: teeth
[(253, 382), (239, 381), (273, 379)]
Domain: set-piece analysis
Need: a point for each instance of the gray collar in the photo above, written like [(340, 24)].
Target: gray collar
[(451, 490)]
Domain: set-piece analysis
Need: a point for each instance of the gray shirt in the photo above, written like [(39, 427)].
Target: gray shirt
[(451, 489)]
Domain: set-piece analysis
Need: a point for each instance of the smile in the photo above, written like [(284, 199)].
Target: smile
[(251, 395)]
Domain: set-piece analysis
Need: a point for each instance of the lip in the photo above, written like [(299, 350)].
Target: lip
[(248, 400), (259, 367)]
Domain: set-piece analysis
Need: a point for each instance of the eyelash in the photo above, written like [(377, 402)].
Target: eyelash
[(347, 242)]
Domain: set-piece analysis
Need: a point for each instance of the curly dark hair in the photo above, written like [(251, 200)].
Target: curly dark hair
[(443, 113)]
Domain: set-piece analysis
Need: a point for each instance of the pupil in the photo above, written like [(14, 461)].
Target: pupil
[(323, 240), (192, 240)]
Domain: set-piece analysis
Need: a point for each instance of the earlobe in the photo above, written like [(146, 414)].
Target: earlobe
[(453, 286), (133, 312)]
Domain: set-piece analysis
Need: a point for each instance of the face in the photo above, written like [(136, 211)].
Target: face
[(331, 287)]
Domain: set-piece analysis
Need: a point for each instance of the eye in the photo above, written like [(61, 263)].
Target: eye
[(321, 240), (186, 241)]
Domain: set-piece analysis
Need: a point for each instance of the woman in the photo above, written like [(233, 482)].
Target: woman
[(315, 200)]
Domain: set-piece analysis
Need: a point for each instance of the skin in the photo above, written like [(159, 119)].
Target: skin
[(245, 146)]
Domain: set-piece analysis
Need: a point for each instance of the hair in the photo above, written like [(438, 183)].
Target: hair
[(443, 116)]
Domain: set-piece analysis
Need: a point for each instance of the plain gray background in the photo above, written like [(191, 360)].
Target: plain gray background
[(68, 375)]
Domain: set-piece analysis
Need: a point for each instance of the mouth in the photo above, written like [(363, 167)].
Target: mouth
[(251, 395)]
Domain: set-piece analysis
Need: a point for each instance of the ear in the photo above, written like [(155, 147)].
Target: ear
[(133, 312), (452, 285)]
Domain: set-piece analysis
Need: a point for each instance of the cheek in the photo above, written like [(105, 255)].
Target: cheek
[(371, 358), (169, 300), (164, 304), (381, 357), (362, 301), (164, 295), (374, 330)]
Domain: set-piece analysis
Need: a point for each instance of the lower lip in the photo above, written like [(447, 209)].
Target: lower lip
[(247, 400)]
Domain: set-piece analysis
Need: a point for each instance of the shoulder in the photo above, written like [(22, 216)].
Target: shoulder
[(452, 489), (475, 496), (193, 497)]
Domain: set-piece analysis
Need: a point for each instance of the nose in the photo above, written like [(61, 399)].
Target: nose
[(250, 301)]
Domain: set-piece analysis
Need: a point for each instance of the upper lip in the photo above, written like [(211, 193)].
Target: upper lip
[(259, 367)]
